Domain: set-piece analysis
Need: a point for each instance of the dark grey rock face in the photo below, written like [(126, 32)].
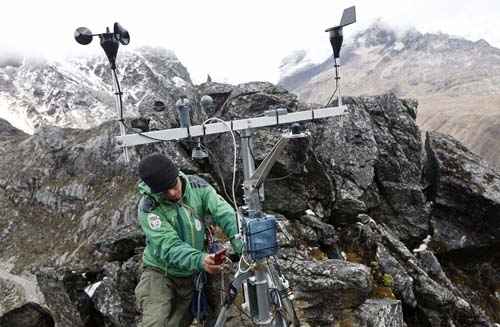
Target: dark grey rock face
[(366, 162), (466, 195), (8, 131), (28, 315), (381, 313), (112, 298), (122, 246), (417, 279), (68, 206), (328, 286), (377, 166), (64, 294)]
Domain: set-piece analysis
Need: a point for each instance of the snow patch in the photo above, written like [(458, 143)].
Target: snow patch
[(310, 212), (423, 246), (179, 82), (398, 46), (90, 290)]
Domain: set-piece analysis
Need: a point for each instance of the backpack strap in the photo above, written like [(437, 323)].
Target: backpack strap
[(147, 204)]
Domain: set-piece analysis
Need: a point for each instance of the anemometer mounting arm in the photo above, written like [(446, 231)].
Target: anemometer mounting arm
[(235, 125)]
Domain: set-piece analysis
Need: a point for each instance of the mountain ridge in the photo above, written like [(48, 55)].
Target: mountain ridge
[(78, 93), (452, 78)]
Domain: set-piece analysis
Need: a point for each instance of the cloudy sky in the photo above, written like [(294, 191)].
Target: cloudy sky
[(232, 40)]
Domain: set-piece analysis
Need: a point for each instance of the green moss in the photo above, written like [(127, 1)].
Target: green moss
[(387, 280)]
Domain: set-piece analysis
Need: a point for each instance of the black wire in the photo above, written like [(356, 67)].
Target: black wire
[(335, 91), (218, 289), (119, 93), (250, 148), (246, 315), (253, 158), (280, 178), (276, 308), (288, 175)]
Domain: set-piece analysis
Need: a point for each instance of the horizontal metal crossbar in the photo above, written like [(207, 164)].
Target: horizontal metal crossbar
[(235, 125)]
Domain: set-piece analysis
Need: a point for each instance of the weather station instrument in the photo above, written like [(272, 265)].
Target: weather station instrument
[(110, 42), (268, 299)]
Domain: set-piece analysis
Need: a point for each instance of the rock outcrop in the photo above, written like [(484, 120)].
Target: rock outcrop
[(466, 195), (28, 315), (455, 100), (355, 204)]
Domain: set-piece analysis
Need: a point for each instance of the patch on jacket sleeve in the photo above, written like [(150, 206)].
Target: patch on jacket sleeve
[(154, 221), (197, 181)]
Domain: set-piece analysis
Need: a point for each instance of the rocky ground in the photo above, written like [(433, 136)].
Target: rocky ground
[(418, 221)]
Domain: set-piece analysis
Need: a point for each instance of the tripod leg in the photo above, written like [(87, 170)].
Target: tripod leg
[(221, 318), (235, 285), (285, 315)]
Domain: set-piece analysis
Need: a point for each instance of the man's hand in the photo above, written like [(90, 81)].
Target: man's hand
[(210, 266)]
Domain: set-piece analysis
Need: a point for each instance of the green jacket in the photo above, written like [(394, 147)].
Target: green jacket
[(175, 232)]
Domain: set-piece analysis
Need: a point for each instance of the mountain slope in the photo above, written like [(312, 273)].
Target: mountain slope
[(455, 80), (78, 93)]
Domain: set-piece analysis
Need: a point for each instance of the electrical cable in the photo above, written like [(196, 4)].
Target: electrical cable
[(242, 258), (235, 153), (336, 81), (280, 178), (219, 174), (287, 175), (122, 120), (250, 149), (335, 91), (217, 289), (253, 158)]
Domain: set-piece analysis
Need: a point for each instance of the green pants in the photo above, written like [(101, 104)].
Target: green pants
[(164, 301)]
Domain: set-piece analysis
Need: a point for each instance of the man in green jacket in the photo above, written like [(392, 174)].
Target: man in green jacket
[(171, 213)]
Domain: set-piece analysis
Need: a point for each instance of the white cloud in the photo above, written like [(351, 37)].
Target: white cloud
[(230, 39)]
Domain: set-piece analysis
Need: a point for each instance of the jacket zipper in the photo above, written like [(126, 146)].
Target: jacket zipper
[(189, 218)]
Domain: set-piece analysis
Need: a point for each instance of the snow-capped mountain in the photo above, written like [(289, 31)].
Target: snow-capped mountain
[(456, 81), (78, 92)]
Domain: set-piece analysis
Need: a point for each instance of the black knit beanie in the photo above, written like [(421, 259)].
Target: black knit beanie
[(158, 172)]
